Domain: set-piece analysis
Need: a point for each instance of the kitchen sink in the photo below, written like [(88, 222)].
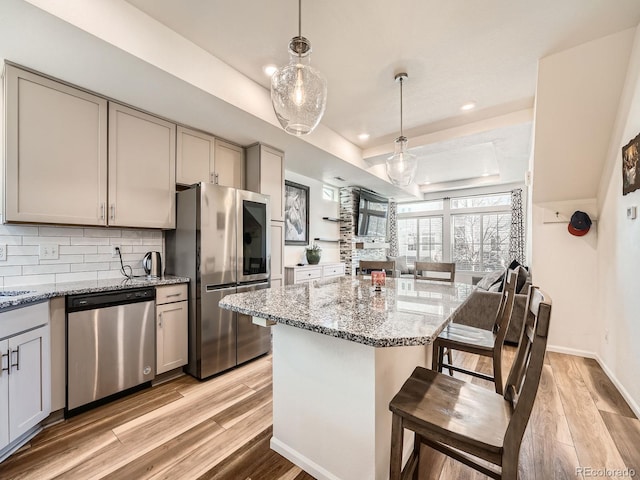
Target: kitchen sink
[(14, 293)]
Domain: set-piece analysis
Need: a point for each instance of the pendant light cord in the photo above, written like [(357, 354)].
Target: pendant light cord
[(299, 18), (401, 134)]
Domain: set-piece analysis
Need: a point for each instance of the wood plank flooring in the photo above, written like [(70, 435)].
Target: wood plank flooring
[(220, 429)]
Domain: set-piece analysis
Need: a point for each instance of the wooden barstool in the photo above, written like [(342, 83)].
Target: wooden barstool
[(468, 422), (467, 338), (445, 272)]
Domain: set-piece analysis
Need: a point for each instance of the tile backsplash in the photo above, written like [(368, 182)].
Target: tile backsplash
[(83, 253)]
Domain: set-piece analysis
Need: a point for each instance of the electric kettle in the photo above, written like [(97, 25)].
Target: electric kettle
[(152, 264)]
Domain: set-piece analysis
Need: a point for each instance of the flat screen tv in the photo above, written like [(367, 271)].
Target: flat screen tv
[(372, 215)]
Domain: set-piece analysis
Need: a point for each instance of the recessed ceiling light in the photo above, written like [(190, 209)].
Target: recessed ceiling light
[(427, 183), (270, 70), (363, 136), (468, 106), (485, 175)]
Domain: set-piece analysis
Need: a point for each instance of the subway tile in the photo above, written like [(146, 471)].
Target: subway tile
[(10, 270), (38, 269), (25, 280), (64, 259), (104, 249), (106, 274), (23, 250), (27, 240), (11, 239), (20, 260), (90, 267), (102, 232), (89, 241), (78, 249), (97, 258), (76, 277), (18, 230), (152, 241), (132, 234), (126, 241), (60, 232)]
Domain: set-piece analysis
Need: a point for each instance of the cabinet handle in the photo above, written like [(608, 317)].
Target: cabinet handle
[(215, 178), (113, 211), (8, 369), (102, 211), (174, 295), (160, 320), (17, 364)]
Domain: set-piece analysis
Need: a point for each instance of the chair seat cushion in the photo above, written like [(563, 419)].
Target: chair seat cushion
[(458, 334), (453, 409)]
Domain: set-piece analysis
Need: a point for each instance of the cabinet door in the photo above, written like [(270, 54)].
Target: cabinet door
[(277, 252), (195, 157), (4, 394), (229, 165), (142, 166), (56, 152), (29, 381), (265, 174), (272, 180), (171, 336)]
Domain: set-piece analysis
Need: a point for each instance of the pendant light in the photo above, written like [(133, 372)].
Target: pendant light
[(402, 165), (299, 91)]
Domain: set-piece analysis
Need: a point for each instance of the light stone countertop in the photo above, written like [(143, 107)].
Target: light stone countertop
[(36, 293), (407, 312)]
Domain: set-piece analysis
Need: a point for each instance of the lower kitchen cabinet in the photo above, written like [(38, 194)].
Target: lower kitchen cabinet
[(171, 328), (25, 382)]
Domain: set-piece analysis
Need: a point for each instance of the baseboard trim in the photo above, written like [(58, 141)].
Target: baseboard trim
[(571, 351), (623, 391), (301, 461), (607, 371)]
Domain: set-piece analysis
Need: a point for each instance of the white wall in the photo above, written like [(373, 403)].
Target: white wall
[(618, 259), (318, 228), (577, 98), (593, 280), (84, 253)]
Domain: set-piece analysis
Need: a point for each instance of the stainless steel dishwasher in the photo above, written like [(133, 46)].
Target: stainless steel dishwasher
[(110, 344)]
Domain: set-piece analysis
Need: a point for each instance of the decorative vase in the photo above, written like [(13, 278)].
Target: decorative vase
[(313, 257)]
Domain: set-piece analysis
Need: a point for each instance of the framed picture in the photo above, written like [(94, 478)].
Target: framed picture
[(296, 214), (631, 166)]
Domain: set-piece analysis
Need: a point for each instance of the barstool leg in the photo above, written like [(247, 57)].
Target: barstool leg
[(397, 437)]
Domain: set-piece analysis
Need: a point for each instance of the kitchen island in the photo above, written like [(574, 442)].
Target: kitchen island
[(340, 353)]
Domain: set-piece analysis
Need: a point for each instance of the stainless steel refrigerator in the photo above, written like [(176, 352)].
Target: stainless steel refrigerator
[(222, 243)]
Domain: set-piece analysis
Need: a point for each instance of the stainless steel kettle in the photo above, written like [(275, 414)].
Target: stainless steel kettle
[(152, 264)]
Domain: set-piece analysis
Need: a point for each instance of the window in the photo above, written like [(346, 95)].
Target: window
[(481, 241), (420, 239), (329, 193), (473, 232)]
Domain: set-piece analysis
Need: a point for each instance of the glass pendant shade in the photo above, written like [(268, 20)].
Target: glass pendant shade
[(402, 165), (299, 91)]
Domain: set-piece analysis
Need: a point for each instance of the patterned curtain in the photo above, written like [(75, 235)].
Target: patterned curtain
[(516, 241), (393, 250)]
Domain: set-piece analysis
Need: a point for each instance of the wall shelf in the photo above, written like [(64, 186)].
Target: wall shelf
[(331, 219), (333, 240)]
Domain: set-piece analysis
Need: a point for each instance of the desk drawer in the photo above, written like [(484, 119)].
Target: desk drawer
[(307, 274), (333, 270), (171, 293)]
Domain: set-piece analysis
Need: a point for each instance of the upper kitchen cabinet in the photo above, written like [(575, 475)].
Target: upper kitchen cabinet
[(203, 158), (142, 165), (265, 174), (56, 152), (229, 164)]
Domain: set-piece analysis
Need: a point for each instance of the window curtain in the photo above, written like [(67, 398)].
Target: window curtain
[(393, 250), (516, 241)]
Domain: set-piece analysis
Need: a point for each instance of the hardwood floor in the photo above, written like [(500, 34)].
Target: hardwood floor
[(220, 429)]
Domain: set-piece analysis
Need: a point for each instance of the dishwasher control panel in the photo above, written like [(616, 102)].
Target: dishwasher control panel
[(105, 299)]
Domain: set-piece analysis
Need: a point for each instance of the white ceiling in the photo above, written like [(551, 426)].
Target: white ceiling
[(454, 52)]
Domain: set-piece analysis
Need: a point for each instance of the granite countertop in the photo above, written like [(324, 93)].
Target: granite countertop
[(35, 293), (407, 312)]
